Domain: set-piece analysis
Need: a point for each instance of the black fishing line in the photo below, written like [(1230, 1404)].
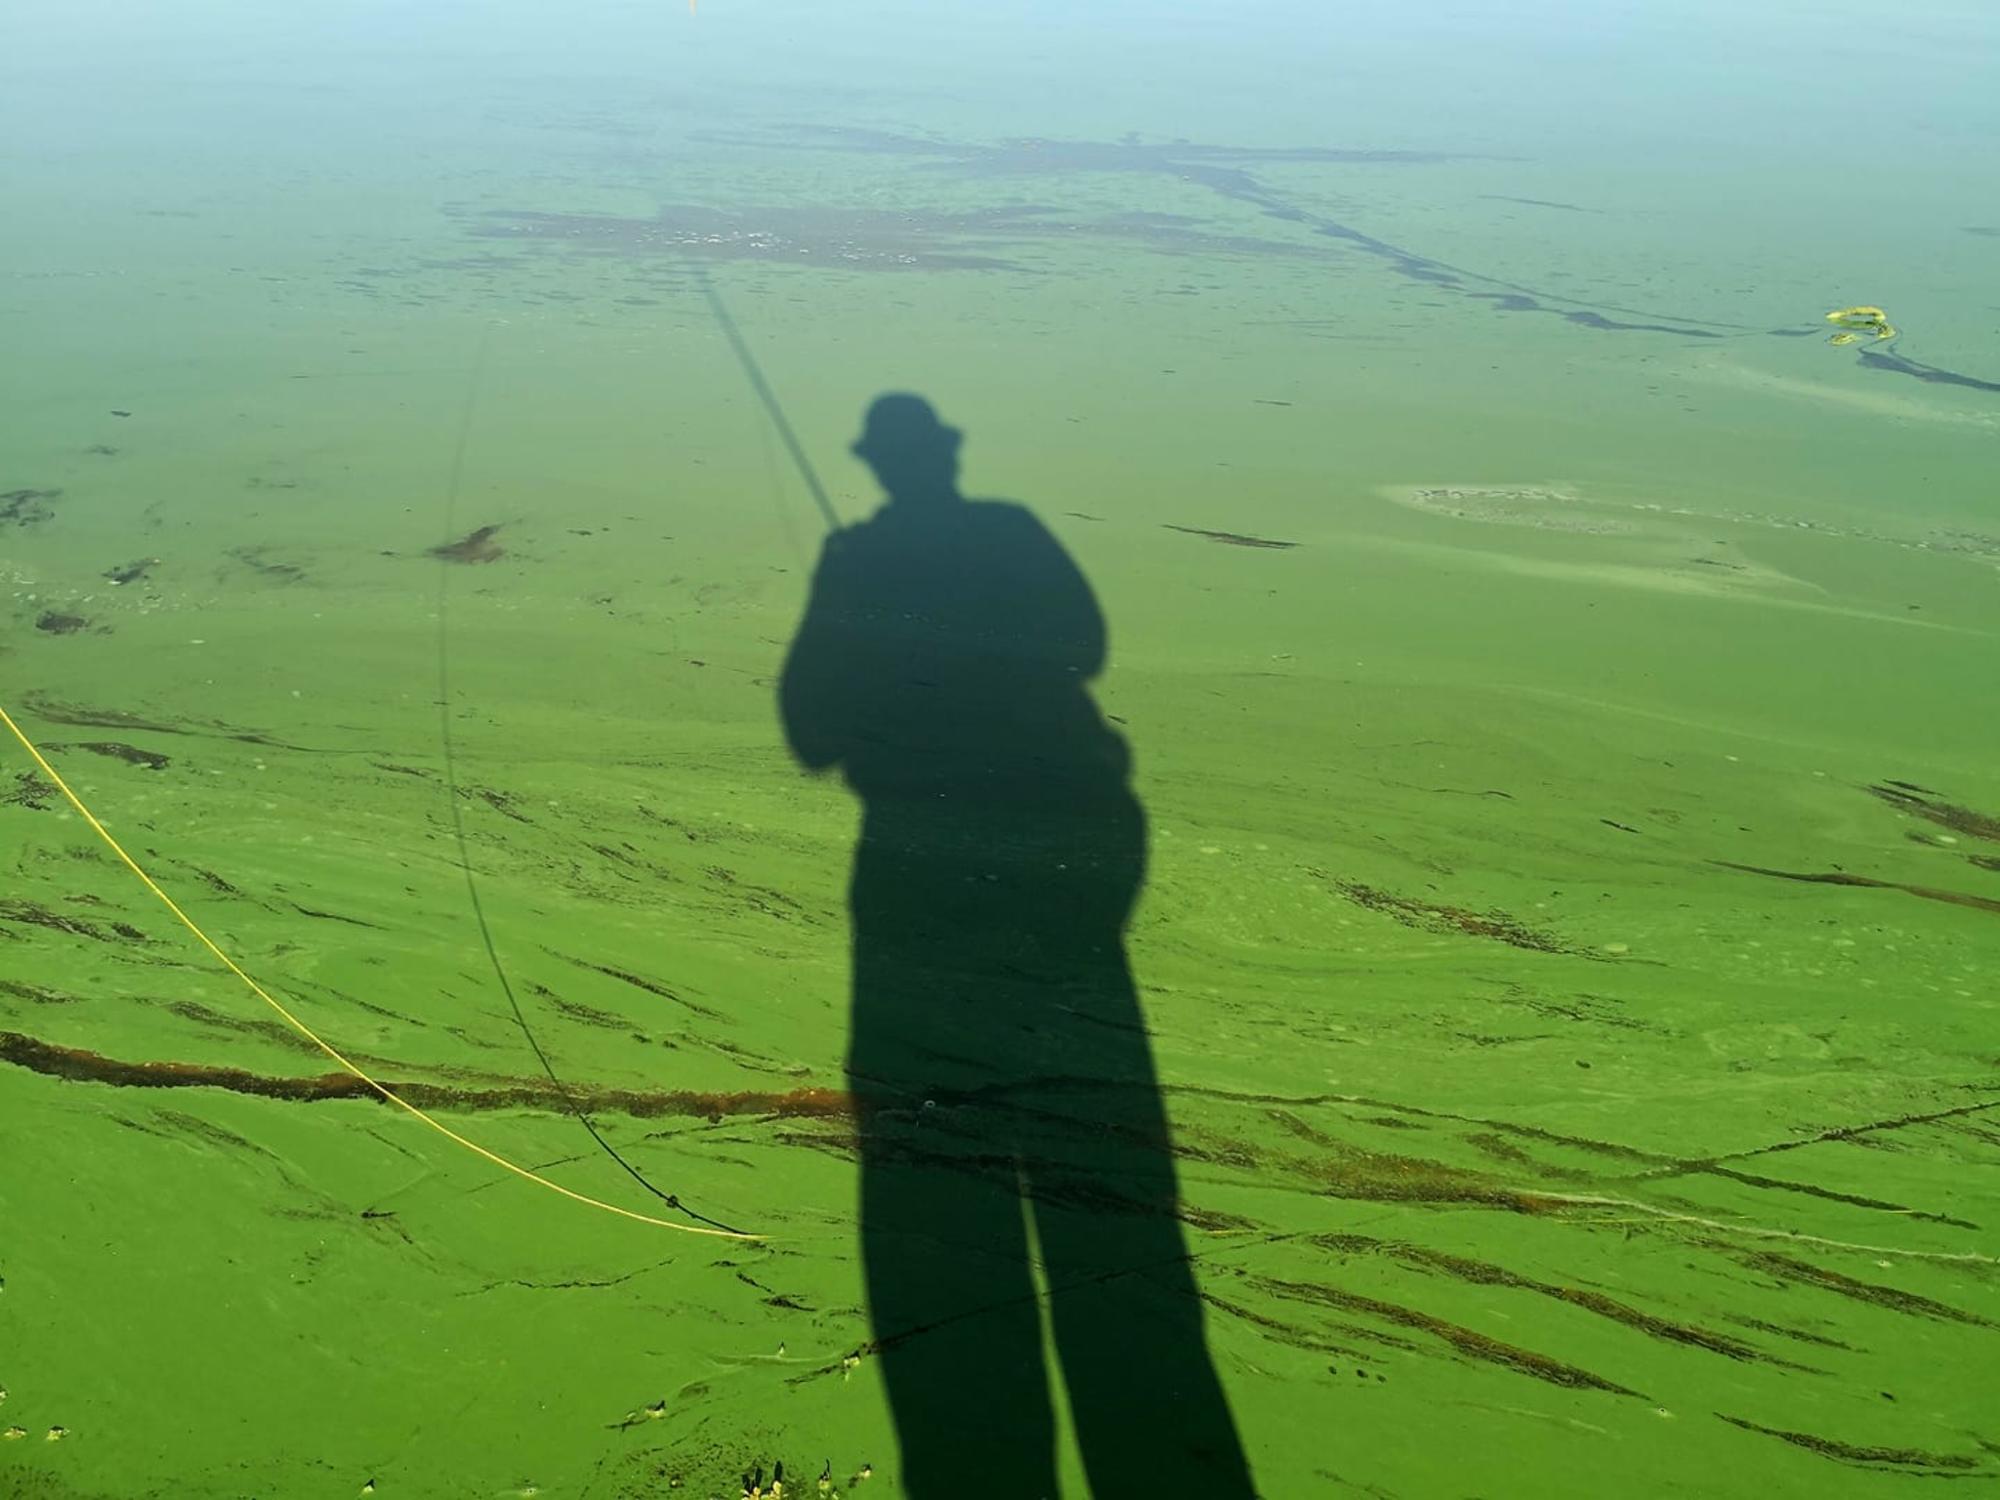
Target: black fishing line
[(576, 1108)]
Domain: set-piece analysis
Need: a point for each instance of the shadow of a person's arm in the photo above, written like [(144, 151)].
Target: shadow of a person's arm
[(822, 673)]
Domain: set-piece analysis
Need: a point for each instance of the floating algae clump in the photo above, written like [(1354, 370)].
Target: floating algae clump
[(1855, 321)]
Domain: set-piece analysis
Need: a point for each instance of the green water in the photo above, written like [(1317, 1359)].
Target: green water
[(1527, 1143)]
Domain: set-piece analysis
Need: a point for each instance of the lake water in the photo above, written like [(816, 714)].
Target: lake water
[(1416, 918)]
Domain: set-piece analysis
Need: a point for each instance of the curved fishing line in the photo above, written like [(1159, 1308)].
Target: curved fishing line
[(346, 1064), (452, 487)]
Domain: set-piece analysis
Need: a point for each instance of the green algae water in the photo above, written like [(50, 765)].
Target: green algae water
[(1369, 864)]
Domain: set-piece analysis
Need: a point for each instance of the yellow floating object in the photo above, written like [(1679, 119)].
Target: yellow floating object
[(1860, 320)]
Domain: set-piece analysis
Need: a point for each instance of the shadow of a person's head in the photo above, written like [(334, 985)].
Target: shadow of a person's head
[(913, 454)]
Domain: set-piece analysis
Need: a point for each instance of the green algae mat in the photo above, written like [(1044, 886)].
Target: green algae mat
[(1416, 917)]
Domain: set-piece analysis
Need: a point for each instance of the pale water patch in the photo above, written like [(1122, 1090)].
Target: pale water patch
[(1884, 404), (1653, 550)]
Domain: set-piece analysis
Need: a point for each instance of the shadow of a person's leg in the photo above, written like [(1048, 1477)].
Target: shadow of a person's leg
[(954, 1306), (1151, 1417)]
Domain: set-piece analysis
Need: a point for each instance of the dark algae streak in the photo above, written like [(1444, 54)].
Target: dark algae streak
[(1231, 538), (474, 547)]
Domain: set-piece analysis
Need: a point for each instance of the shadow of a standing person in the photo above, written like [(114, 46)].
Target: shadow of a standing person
[(1004, 1083)]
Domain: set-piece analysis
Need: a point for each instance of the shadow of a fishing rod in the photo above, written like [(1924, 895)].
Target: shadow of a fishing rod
[(754, 373)]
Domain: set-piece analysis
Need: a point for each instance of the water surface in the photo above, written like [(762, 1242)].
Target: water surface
[(1557, 686)]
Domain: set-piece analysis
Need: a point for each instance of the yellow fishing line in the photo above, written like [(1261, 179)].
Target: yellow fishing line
[(320, 1042)]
